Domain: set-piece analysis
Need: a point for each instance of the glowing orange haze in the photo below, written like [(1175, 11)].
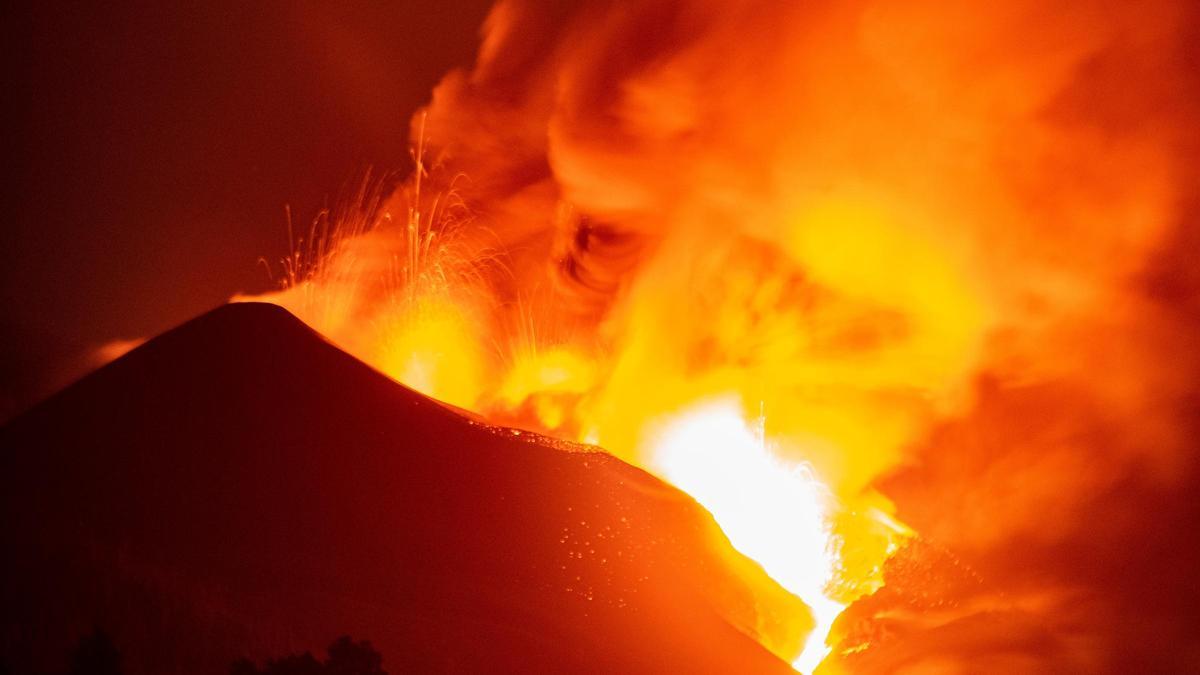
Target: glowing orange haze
[(652, 228)]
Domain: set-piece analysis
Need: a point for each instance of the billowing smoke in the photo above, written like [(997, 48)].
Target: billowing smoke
[(949, 250)]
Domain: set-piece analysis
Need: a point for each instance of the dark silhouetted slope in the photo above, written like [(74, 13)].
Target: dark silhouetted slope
[(240, 487)]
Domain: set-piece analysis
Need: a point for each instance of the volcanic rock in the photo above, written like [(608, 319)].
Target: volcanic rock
[(240, 487)]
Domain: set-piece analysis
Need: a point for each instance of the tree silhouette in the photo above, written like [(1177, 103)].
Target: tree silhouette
[(345, 657), (95, 655), (243, 667)]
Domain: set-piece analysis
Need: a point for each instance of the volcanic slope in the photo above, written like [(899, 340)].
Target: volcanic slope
[(240, 487)]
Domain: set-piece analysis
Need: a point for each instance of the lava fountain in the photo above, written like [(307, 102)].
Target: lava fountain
[(774, 513)]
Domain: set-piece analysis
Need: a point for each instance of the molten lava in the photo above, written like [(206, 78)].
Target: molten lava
[(778, 515)]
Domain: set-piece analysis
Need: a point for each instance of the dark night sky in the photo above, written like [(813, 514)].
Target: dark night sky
[(158, 143)]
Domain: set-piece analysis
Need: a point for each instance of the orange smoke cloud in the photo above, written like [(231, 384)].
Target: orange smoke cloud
[(939, 246)]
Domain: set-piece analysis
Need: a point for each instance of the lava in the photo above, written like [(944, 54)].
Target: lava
[(774, 513)]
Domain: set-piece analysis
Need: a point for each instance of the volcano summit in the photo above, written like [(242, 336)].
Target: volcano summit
[(240, 487)]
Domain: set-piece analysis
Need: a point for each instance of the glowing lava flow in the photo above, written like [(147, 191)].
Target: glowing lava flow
[(775, 513)]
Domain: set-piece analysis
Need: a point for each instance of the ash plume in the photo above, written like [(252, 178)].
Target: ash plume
[(951, 248)]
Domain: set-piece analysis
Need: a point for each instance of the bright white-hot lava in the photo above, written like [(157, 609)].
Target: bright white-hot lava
[(776, 513)]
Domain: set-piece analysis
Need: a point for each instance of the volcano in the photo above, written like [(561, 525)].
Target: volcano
[(240, 487)]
